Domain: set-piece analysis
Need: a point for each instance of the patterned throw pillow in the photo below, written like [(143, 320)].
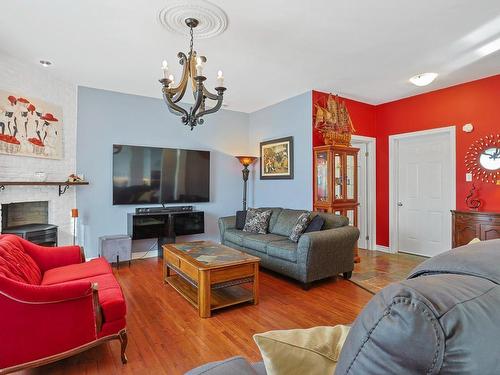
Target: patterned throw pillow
[(257, 221), (300, 226)]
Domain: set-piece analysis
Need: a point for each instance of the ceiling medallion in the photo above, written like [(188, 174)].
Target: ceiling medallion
[(212, 19), (192, 70), (483, 158)]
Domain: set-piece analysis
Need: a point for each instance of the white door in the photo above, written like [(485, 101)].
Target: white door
[(362, 195), (424, 194)]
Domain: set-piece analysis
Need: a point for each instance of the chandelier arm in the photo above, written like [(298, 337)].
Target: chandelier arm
[(192, 71), (211, 110), (174, 108), (180, 94), (209, 95), (198, 96), (174, 112), (180, 90)]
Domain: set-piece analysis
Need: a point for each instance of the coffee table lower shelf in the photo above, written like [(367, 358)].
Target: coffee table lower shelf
[(220, 298)]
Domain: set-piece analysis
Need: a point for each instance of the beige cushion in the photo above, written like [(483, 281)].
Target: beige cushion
[(313, 351), (474, 240)]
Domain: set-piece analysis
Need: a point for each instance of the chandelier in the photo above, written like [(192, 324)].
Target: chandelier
[(192, 71)]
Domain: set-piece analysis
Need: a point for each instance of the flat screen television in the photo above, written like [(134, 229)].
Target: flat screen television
[(149, 175)]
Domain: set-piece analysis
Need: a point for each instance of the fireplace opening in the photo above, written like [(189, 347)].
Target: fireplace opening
[(29, 220)]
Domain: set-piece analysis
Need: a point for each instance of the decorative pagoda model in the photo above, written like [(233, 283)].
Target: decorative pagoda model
[(336, 163)]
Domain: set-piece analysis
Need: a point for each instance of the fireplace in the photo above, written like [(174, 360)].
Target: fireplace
[(29, 220)]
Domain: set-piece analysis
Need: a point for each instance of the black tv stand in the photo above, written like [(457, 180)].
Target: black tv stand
[(165, 225)]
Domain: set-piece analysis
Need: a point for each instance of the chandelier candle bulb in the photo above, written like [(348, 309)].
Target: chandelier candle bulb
[(220, 79), (164, 68), (172, 80), (199, 66)]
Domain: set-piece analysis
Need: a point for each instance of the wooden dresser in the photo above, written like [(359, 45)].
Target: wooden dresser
[(466, 225)]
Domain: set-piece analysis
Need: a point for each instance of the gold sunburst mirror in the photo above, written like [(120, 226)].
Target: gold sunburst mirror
[(483, 158)]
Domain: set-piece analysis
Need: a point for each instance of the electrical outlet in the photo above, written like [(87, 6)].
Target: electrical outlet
[(468, 177)]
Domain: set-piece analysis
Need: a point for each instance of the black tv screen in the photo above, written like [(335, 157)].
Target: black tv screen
[(149, 175)]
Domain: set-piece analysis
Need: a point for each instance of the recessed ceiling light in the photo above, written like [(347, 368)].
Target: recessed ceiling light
[(45, 63), (423, 79)]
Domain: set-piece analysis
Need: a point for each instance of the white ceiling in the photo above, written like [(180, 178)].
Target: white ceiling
[(271, 50)]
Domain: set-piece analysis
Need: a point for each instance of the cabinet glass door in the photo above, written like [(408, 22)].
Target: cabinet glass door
[(350, 170), (350, 216), (339, 176), (322, 183)]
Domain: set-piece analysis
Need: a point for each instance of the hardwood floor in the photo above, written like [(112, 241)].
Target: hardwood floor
[(166, 336)]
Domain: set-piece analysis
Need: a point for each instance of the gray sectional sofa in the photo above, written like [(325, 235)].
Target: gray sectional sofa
[(317, 255), (444, 319)]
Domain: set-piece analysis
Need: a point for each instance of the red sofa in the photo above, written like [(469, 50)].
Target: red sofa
[(53, 304)]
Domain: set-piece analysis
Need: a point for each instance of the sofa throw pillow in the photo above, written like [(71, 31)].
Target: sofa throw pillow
[(241, 217), (257, 221), (313, 351), (315, 224), (300, 226)]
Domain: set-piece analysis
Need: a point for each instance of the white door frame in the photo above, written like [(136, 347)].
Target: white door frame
[(371, 202), (393, 176)]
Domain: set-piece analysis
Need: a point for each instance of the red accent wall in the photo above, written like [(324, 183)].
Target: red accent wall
[(476, 102)]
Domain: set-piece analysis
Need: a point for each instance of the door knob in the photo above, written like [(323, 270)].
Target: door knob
[(400, 204)]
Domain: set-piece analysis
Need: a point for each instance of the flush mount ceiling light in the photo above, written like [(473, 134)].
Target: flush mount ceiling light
[(45, 63), (423, 79)]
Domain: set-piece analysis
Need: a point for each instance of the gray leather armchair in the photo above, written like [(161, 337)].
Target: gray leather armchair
[(444, 319)]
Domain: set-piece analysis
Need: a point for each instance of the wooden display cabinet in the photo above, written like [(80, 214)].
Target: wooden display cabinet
[(336, 182)]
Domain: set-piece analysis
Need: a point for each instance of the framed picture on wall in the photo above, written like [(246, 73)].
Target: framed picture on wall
[(30, 127), (276, 159)]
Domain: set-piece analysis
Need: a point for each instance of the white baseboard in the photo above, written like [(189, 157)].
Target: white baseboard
[(145, 254), (384, 249)]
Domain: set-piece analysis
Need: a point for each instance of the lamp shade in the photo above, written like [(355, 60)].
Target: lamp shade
[(74, 212), (246, 160)]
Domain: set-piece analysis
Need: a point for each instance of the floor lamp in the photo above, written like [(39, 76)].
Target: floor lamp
[(246, 161), (74, 215)]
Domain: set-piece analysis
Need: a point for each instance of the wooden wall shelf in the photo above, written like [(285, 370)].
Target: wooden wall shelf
[(63, 185)]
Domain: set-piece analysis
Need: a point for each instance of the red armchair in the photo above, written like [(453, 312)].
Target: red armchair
[(53, 304)]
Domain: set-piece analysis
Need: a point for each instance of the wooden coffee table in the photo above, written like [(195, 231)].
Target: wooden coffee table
[(210, 275)]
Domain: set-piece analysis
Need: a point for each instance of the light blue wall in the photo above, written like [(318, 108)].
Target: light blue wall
[(106, 117), (291, 117)]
